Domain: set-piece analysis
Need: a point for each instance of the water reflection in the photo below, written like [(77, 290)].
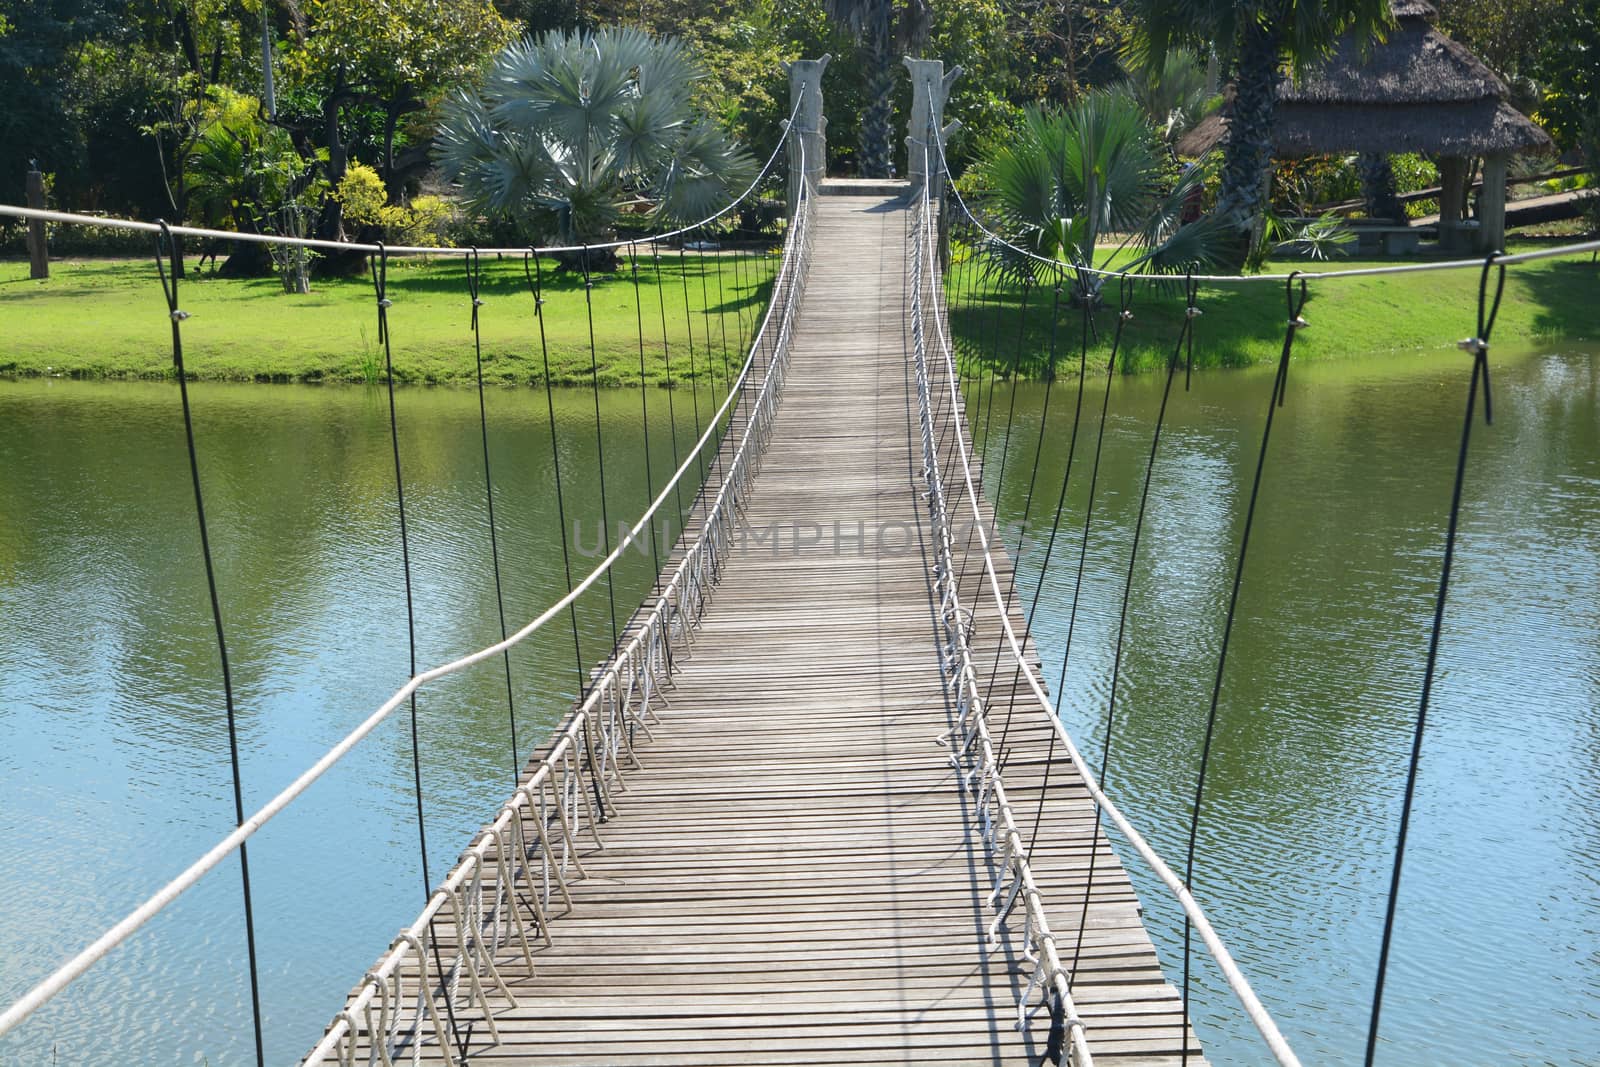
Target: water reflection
[(115, 757), (1499, 928)]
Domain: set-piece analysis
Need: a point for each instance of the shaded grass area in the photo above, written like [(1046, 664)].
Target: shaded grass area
[(108, 319), (1243, 323)]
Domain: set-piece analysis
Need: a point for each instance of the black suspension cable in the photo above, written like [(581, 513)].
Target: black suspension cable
[(666, 357), (1016, 358), (379, 267), (1123, 317), (474, 289), (694, 379), (705, 316), (599, 442), (1191, 311), (994, 361), (991, 298), (722, 315), (1066, 477), (167, 248), (1050, 543), (1478, 345), (644, 410), (1295, 299), (1033, 481), (535, 277)]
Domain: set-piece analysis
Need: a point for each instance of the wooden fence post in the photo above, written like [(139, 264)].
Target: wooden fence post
[(38, 251)]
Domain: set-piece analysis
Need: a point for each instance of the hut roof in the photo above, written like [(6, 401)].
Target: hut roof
[(1416, 91)]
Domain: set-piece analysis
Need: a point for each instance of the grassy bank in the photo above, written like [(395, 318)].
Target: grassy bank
[(107, 319), (1243, 323)]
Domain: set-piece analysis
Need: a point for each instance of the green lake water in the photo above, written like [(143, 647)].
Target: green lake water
[(114, 745)]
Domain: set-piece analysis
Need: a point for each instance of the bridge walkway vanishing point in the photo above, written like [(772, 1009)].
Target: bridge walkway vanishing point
[(794, 873)]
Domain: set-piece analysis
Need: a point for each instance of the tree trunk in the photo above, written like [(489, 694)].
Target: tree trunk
[(877, 122), (331, 224), (1377, 187), (393, 108), (1247, 151)]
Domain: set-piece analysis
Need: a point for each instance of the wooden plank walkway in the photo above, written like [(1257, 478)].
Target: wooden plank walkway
[(793, 876)]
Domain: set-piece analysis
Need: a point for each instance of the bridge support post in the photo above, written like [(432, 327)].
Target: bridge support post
[(930, 87), (805, 90)]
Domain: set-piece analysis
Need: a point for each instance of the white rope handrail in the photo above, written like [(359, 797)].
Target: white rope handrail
[(69, 218), (1496, 259), (42, 992), (1236, 979)]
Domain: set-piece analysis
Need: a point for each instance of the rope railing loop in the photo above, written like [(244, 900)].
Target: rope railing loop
[(1125, 286), (378, 265), (474, 283)]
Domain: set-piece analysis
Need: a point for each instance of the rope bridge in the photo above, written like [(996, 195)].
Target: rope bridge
[(464, 974)]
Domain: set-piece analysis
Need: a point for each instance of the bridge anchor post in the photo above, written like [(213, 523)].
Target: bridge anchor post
[(930, 88), (805, 90)]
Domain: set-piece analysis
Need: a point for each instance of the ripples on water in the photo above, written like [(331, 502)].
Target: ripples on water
[(1498, 937), (115, 755)]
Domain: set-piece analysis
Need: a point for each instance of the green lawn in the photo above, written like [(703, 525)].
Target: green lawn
[(1242, 323), (107, 318)]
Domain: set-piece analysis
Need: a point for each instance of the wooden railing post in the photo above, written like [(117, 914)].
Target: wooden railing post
[(38, 250)]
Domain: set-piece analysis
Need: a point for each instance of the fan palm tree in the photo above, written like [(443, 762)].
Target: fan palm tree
[(1094, 170), (568, 129), (1257, 37), (1175, 97), (882, 28)]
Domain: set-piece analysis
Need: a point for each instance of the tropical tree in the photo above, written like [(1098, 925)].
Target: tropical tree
[(883, 29), (571, 128), (1256, 37), (1174, 97), (1072, 176)]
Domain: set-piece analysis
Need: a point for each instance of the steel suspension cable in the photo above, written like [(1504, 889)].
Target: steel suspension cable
[(1295, 301), (1027, 623), (694, 379), (535, 278), (666, 358), (1050, 544), (1033, 481), (644, 411), (379, 268), (1123, 316), (599, 442), (167, 249), (1478, 345), (1005, 448), (474, 288)]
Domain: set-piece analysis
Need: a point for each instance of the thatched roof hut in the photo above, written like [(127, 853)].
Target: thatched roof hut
[(1416, 91)]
